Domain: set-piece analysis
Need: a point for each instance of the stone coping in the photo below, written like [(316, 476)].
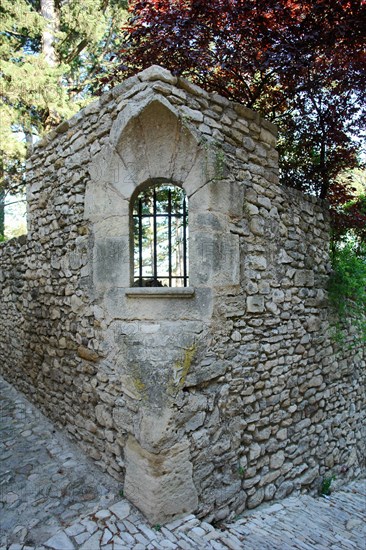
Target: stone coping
[(160, 292)]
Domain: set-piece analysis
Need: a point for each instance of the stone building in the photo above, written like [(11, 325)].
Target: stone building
[(219, 387)]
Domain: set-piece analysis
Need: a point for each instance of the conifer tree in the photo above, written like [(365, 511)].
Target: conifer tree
[(54, 57)]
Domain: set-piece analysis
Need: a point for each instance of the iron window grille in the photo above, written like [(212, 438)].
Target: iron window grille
[(160, 230)]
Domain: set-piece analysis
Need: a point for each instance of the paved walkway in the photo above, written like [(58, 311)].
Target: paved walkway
[(53, 497)]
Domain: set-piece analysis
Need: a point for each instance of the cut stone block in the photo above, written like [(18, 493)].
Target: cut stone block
[(160, 485)]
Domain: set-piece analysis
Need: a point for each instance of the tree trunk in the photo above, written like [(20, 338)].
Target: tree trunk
[(2, 200), (48, 11), (29, 142), (2, 213), (323, 170)]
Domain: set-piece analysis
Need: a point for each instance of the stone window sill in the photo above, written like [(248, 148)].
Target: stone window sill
[(160, 292)]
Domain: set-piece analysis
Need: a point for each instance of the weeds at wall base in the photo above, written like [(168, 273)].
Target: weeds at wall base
[(325, 489)]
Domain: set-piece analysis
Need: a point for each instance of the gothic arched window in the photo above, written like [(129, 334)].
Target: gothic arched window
[(160, 237)]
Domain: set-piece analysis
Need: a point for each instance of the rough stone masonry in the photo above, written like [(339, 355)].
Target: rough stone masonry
[(207, 399)]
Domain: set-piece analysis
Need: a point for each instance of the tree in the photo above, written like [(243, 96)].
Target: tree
[(54, 57), (301, 64)]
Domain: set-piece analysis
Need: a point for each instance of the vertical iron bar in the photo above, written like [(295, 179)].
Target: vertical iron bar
[(184, 242), (170, 235), (155, 275), (140, 242)]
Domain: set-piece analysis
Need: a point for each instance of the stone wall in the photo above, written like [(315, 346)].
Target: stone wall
[(208, 399)]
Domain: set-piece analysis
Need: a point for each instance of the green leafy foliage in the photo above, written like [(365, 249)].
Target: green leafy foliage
[(241, 471), (325, 489), (347, 290)]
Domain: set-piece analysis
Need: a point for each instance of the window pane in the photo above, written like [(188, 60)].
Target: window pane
[(160, 222)]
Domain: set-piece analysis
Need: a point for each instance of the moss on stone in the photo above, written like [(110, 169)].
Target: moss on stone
[(181, 370), (137, 382)]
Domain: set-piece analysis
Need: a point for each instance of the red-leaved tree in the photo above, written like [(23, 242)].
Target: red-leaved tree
[(301, 63)]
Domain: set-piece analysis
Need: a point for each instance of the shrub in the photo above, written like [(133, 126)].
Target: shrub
[(347, 290)]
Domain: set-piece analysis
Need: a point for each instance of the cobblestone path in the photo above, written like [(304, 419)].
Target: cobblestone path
[(53, 497)]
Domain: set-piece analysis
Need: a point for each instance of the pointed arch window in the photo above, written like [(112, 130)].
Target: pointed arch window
[(160, 237)]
